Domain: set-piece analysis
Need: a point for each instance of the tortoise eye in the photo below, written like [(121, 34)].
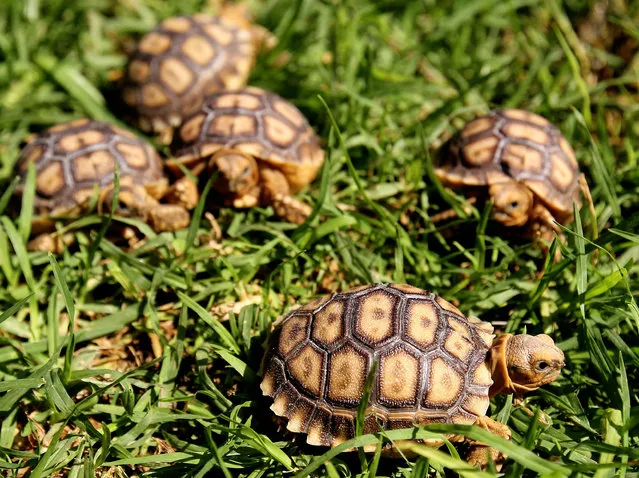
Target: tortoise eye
[(514, 204), (246, 172), (542, 366)]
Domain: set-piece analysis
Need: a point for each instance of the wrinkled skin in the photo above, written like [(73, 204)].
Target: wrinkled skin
[(512, 203), (519, 364), (245, 182)]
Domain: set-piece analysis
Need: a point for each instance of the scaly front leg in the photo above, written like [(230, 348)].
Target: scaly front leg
[(542, 230), (480, 454), (276, 191)]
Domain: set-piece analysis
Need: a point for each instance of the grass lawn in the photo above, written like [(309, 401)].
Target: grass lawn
[(140, 362)]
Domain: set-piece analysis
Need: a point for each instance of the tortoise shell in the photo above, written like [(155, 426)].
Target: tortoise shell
[(182, 60), (257, 123), (514, 144), (432, 366), (72, 158)]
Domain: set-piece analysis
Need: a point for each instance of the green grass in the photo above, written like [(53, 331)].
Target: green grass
[(127, 363)]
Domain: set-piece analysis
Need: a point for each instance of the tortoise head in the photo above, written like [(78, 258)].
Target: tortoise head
[(522, 363), (512, 203), (237, 173)]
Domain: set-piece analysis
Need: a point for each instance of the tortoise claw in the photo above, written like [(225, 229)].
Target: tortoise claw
[(168, 217)]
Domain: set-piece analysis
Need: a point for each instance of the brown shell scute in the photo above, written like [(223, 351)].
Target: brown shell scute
[(182, 60), (255, 122), (72, 158), (431, 363), (514, 144)]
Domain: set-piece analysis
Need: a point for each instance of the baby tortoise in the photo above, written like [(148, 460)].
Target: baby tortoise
[(186, 58), (75, 161), (528, 167), (260, 146), (435, 365)]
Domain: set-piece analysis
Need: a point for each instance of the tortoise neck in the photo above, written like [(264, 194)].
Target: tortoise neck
[(499, 367), (499, 359)]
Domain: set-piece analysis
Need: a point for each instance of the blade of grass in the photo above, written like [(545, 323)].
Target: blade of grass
[(26, 211)]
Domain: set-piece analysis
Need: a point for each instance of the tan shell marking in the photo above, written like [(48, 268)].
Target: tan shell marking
[(79, 122), (65, 126), (306, 367), (135, 154), (219, 34), (154, 43), (289, 113), (33, 155), (139, 70), (230, 125), (540, 188), (190, 130), (74, 142), (444, 304), (293, 333), (50, 180), (428, 418), (230, 79), (210, 148), (251, 148), (477, 126), (273, 375), (374, 323), (300, 415), (485, 334), (476, 405), (400, 420), (568, 151), (318, 429), (346, 375), (341, 429), (525, 131), (198, 49), (153, 95), (307, 151), (176, 75), (398, 376), (408, 289), (82, 196), (481, 151), (522, 115), (176, 24), (465, 179), (464, 419), (422, 323), (459, 343), (520, 156), (281, 403), (444, 383), (230, 100), (496, 177), (93, 166), (328, 327), (374, 420), (278, 132), (124, 132), (560, 174), (482, 375)]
